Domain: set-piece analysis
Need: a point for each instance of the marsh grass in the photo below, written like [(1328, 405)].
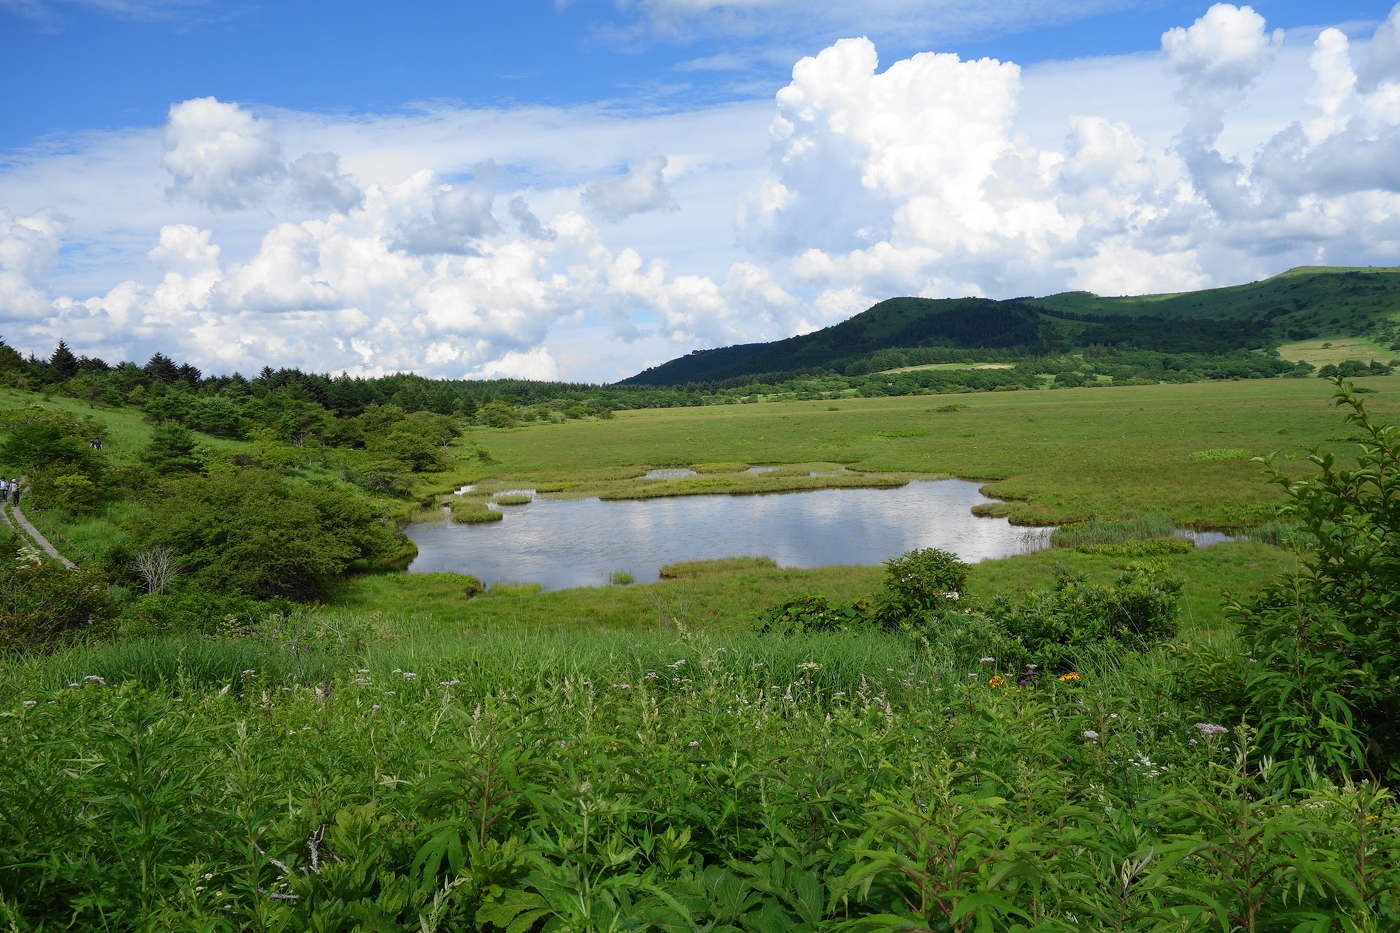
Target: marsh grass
[(722, 565), (469, 513), (514, 498), (621, 578), (1095, 532), (1059, 455), (747, 484)]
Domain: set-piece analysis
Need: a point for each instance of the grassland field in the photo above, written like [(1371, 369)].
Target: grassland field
[(415, 754), (1060, 456)]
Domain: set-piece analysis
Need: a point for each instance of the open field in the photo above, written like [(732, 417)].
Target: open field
[(1323, 351), (1062, 455)]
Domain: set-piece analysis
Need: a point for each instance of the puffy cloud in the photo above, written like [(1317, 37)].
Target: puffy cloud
[(28, 247), (219, 154), (537, 363), (1222, 52), (185, 245), (641, 188), (460, 218), (320, 184)]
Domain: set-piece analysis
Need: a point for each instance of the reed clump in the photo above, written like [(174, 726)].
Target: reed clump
[(515, 498), (1140, 526), (690, 569), (472, 513)]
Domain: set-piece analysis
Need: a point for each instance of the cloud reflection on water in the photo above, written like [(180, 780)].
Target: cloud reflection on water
[(561, 543)]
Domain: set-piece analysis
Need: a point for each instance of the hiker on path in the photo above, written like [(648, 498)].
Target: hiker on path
[(15, 490), (4, 490)]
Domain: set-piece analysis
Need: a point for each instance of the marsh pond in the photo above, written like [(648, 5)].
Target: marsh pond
[(562, 543)]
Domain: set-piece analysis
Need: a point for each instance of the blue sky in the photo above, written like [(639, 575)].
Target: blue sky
[(584, 188), (83, 66)]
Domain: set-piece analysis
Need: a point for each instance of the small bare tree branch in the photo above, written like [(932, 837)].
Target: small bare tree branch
[(157, 567)]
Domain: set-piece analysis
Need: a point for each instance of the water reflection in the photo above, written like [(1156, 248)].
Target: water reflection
[(578, 542)]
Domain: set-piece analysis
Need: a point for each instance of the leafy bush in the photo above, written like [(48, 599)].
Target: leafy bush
[(1052, 628), (920, 584), (1326, 641), (251, 533), (810, 614), (43, 604)]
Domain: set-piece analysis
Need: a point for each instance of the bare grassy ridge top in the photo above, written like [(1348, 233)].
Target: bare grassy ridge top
[(1062, 455)]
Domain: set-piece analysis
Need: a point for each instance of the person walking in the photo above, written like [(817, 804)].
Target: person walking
[(15, 490), (4, 490)]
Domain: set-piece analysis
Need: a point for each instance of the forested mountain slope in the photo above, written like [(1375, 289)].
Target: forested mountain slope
[(1301, 303)]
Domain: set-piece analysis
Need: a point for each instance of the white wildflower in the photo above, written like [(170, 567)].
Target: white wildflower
[(1090, 735)]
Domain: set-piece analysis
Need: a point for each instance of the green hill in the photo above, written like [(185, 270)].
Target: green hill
[(1296, 305)]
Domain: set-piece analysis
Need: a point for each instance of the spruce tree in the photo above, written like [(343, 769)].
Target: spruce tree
[(63, 362)]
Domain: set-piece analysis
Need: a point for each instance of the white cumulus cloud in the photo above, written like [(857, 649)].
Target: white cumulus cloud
[(219, 154)]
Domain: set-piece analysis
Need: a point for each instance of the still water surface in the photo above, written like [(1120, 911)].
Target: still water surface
[(561, 543)]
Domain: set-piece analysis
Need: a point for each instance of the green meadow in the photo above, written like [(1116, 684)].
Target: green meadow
[(1061, 455), (415, 753)]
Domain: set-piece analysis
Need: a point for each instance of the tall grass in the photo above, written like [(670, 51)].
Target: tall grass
[(669, 779), (1095, 532)]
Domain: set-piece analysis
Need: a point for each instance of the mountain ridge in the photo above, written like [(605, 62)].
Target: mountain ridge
[(1299, 303)]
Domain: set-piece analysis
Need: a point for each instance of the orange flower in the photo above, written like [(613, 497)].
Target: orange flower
[(1069, 678), (997, 681)]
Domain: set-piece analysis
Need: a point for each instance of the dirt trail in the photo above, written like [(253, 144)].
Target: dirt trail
[(34, 534)]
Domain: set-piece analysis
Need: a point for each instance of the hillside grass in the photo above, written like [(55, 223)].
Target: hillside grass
[(1063, 455), (1323, 351)]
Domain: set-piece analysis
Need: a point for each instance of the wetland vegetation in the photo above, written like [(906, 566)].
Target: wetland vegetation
[(1125, 731)]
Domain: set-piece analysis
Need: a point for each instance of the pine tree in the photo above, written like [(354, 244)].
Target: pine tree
[(63, 362), (171, 450), (163, 368)]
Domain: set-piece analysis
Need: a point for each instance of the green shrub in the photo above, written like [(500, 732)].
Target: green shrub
[(251, 533), (1052, 628), (43, 604), (1325, 687), (811, 614), (198, 612), (920, 584)]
